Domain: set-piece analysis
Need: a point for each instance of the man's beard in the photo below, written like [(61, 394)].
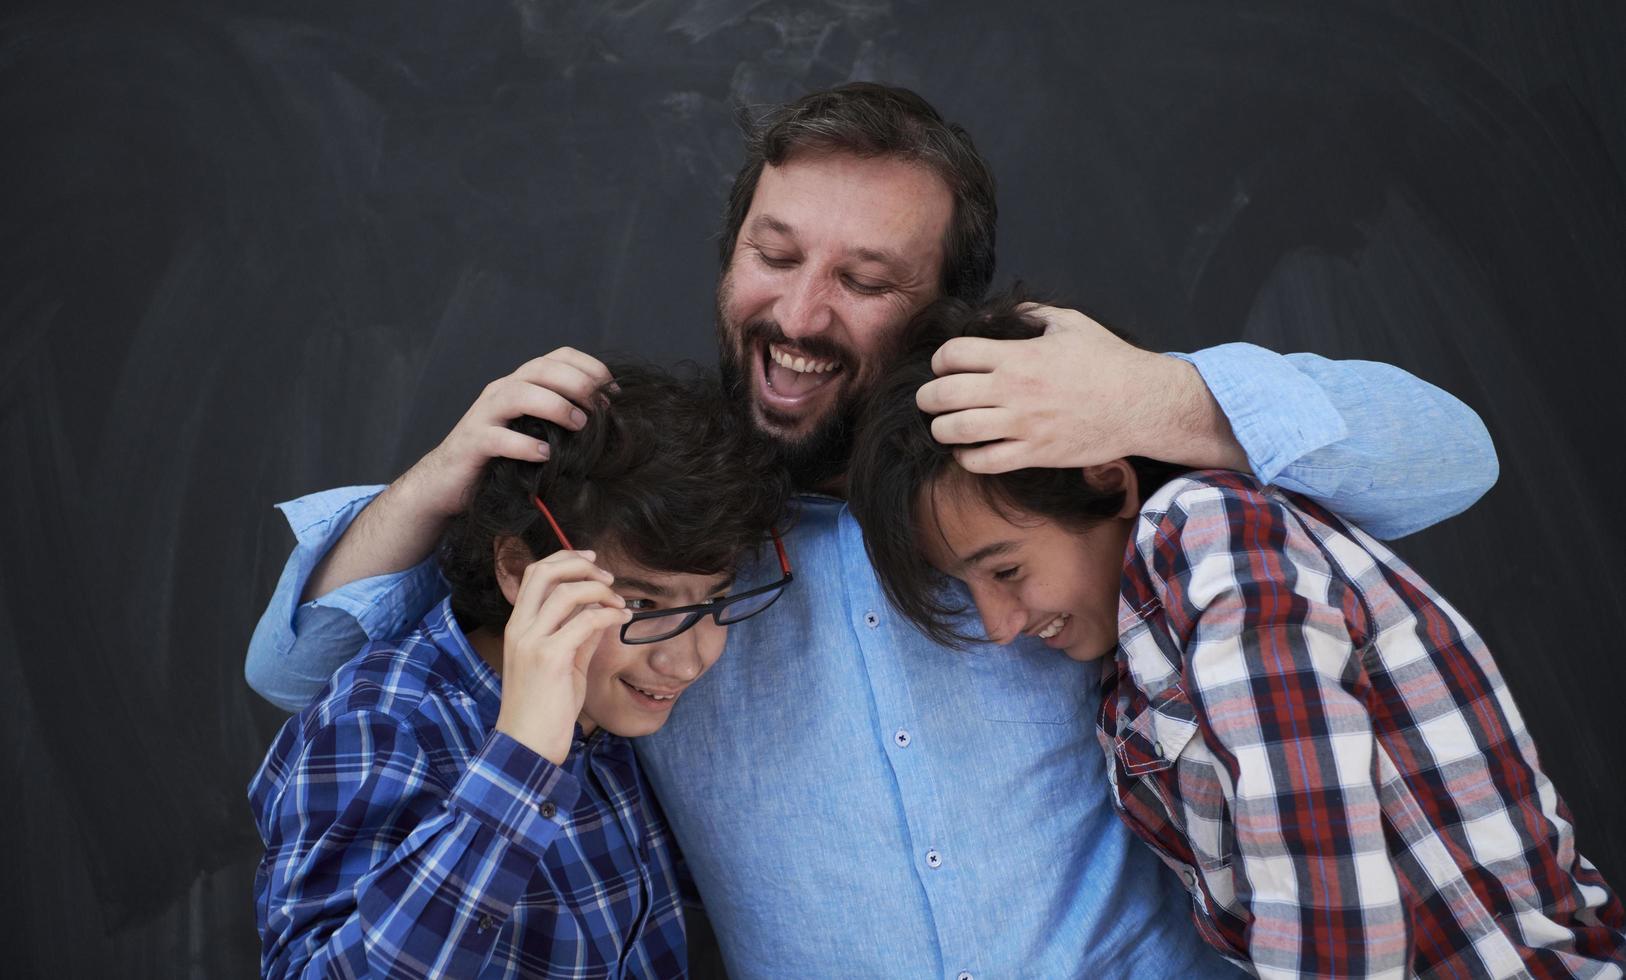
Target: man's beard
[(816, 459)]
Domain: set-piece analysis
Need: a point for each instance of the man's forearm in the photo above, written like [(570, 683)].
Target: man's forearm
[(399, 529), (1192, 429)]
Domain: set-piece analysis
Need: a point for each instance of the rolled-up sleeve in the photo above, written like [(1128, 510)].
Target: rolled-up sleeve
[(1376, 445), (297, 646)]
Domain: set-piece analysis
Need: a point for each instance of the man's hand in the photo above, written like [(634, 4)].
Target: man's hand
[(559, 387), (1077, 396), (400, 527), (564, 605)]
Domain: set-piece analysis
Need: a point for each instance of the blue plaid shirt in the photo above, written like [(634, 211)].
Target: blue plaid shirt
[(406, 838)]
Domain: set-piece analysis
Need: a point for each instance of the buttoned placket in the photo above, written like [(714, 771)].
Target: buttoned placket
[(924, 807)]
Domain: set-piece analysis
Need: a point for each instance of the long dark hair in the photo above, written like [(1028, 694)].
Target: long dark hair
[(896, 458), (666, 476)]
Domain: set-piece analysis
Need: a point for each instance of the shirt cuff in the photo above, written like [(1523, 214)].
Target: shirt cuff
[(383, 605), (517, 793), (1278, 414)]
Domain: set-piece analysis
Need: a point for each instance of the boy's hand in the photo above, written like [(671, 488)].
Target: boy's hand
[(563, 607)]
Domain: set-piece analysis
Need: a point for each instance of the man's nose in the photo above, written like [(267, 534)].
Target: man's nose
[(804, 308), (679, 658)]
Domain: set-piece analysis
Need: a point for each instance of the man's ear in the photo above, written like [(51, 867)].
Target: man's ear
[(510, 558), (1116, 477)]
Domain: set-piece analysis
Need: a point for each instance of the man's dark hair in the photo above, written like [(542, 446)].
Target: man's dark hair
[(895, 459), (871, 120), (664, 475)]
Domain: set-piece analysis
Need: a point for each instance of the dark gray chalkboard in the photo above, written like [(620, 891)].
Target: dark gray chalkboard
[(251, 249)]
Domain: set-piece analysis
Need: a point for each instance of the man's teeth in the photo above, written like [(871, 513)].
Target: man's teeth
[(801, 365), (1054, 627)]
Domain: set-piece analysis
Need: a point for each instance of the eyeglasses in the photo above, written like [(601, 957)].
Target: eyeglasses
[(655, 625)]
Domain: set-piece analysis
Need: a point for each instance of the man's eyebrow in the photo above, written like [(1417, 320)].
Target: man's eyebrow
[(767, 222), (891, 260), (988, 551)]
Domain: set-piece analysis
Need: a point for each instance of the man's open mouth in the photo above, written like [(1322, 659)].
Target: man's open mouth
[(792, 379)]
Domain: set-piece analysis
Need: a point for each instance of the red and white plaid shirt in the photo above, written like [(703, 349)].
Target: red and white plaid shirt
[(1324, 750)]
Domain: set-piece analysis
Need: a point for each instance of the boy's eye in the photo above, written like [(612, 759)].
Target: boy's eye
[(1006, 574), (639, 605)]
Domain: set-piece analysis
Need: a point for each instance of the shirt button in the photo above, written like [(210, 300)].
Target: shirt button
[(1189, 878), (1158, 748), (871, 620), (901, 736), (486, 922), (964, 975), (547, 809), (934, 859)]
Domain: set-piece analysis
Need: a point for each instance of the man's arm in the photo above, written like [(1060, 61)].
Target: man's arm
[(1372, 443), (337, 894), (401, 527), (362, 566)]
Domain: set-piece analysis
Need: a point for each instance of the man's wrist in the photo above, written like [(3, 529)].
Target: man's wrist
[(422, 492), (1192, 430)]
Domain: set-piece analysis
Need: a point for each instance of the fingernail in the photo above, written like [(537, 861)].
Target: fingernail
[(543, 451), (577, 418), (613, 388), (589, 554)]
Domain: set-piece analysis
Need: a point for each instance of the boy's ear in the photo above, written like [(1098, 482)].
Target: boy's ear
[(510, 558), (1116, 477)]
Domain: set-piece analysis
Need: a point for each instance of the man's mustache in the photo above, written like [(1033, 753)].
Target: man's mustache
[(815, 348)]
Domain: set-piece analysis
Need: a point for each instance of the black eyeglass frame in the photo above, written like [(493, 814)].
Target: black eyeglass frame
[(691, 614)]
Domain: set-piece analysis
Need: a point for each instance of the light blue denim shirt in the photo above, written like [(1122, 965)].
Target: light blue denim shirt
[(855, 800)]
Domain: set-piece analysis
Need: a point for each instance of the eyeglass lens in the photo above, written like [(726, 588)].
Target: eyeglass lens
[(661, 627)]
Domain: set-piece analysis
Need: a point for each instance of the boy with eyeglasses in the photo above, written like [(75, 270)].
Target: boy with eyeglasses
[(464, 801)]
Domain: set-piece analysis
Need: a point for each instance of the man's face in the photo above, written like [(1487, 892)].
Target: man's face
[(834, 256)]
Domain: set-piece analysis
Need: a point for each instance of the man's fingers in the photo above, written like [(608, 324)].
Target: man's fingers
[(561, 377), (495, 443), (511, 398), (587, 364), (999, 457), (955, 392), (970, 354), (973, 425)]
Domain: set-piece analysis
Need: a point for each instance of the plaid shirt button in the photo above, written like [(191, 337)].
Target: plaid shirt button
[(486, 922), (547, 809)]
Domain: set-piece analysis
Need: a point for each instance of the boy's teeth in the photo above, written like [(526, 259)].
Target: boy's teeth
[(1054, 627)]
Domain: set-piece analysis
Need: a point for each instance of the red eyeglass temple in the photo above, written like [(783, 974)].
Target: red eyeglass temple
[(558, 532), (564, 542)]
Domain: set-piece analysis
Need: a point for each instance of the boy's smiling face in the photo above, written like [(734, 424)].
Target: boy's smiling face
[(631, 687), (1029, 575)]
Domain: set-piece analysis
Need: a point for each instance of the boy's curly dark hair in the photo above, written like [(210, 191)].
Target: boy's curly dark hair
[(667, 475)]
